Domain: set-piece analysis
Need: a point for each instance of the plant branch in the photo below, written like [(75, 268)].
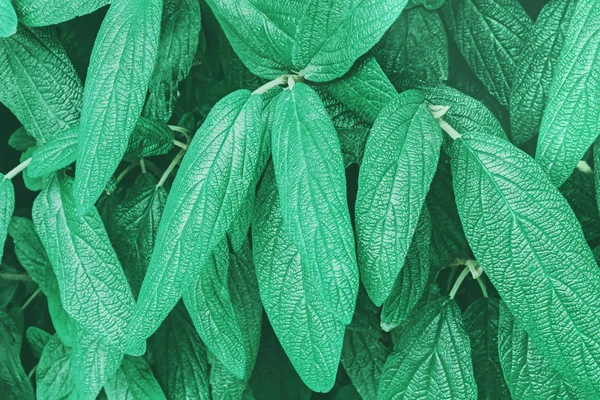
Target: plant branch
[(170, 168), (15, 277), (459, 281), (31, 298), (16, 170)]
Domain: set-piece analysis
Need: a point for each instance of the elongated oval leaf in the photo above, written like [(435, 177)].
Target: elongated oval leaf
[(310, 180), (59, 152), (134, 380), (400, 160), (217, 172), (7, 207), (545, 259), (8, 19), (37, 339), (123, 57), (51, 12), (53, 375), (14, 382)]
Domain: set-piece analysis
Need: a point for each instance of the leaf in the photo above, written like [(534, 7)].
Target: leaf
[(572, 99), (400, 161), (364, 354), (130, 31), (14, 383), (481, 323), (415, 49), (432, 358), (149, 138), (38, 339), (365, 90), (134, 380), (40, 85), (413, 278), (535, 67), (332, 35), (51, 12), (311, 183), (213, 179), (181, 359), (527, 372), (31, 183), (307, 328), (8, 19), (580, 192), (7, 207), (224, 385), (178, 42), (53, 374), (93, 288), (20, 140), (489, 34), (545, 261)]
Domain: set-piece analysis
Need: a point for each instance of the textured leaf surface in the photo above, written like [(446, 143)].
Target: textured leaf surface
[(59, 152), (546, 275), (149, 138), (213, 180), (93, 287), (489, 34), (134, 380), (37, 339), (14, 382), (8, 19), (120, 68), (570, 123), (224, 385), (21, 140), (7, 207), (306, 327), (312, 190), (432, 358), (53, 374), (400, 161), (51, 12)]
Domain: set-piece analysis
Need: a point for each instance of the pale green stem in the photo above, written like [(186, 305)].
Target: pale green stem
[(459, 281), (15, 277), (170, 168), (31, 298), (181, 145), (16, 170)]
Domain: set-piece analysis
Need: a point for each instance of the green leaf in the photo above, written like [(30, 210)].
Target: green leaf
[(224, 385), (51, 12), (7, 207), (311, 183), (415, 49), (180, 358), (535, 67), (580, 192), (133, 380), (179, 35), (93, 287), (489, 34), (31, 183), (363, 354), (53, 374), (58, 153), (40, 85), (150, 137), (8, 19), (570, 123), (130, 31), (332, 35), (307, 328), (217, 172), (545, 261), (20, 140), (14, 383), (413, 278), (481, 323), (400, 161), (432, 358), (37, 339), (365, 90), (528, 373)]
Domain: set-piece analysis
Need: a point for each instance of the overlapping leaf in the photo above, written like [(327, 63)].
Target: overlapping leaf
[(51, 12)]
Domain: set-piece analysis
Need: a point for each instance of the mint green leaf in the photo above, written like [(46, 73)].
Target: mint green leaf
[(133, 380), (400, 161), (432, 357), (413, 278), (40, 85), (181, 359), (545, 261), (20, 140), (535, 67), (481, 323), (580, 192), (307, 328), (415, 49), (120, 68), (31, 183), (363, 354), (7, 207), (365, 89), (8, 19), (37, 339), (53, 374), (14, 383), (332, 35), (57, 153), (489, 34), (179, 35), (149, 138), (214, 178), (570, 123), (312, 186), (93, 287), (52, 12), (224, 385), (528, 373)]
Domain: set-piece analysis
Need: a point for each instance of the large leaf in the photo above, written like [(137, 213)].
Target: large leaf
[(400, 161), (123, 57), (547, 274), (8, 19), (53, 375), (312, 190), (7, 207), (571, 123), (14, 382), (52, 12), (226, 386), (133, 380), (217, 172)]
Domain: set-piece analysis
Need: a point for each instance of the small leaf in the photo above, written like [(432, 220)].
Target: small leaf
[(52, 12), (134, 380), (53, 374), (223, 384), (14, 383), (149, 138), (58, 153), (7, 207), (20, 140), (8, 19), (37, 339)]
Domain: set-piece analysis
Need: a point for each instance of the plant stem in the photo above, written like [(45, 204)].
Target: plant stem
[(181, 130), (16, 170), (143, 165), (170, 168), (31, 298), (15, 277), (448, 129), (181, 145), (483, 287), (459, 281), (584, 167), (125, 172), (30, 374), (271, 84)]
